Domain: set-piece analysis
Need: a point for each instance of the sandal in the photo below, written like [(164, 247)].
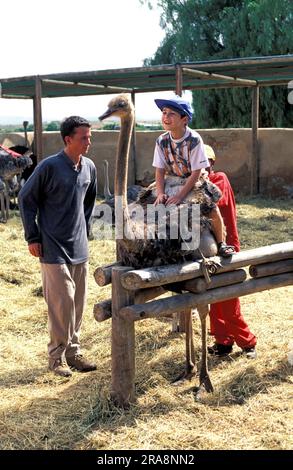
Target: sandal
[(225, 250)]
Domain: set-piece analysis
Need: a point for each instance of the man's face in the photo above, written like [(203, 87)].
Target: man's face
[(80, 141), (172, 120)]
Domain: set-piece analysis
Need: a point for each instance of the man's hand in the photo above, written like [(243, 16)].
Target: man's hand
[(35, 249), (161, 199)]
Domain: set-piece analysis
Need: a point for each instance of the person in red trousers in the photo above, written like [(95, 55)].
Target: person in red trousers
[(226, 321)]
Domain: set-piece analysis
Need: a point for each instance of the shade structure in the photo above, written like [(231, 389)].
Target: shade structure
[(251, 72), (240, 72)]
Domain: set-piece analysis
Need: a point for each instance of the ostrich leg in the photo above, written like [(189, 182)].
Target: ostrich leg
[(190, 369), (7, 204), (2, 206), (190, 352), (204, 379)]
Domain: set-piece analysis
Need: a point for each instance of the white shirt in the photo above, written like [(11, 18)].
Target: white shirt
[(182, 156)]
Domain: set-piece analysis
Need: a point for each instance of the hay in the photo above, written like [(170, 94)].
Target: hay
[(250, 409)]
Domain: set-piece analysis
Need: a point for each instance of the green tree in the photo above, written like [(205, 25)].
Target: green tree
[(219, 29), (52, 126)]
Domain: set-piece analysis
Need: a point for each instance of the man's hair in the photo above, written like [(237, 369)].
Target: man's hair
[(69, 125)]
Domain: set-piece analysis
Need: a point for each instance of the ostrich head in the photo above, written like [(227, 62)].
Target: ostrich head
[(121, 106)]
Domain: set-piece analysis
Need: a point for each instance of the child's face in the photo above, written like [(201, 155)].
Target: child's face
[(173, 121)]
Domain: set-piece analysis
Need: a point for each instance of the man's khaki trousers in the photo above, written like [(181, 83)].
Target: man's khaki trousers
[(65, 289)]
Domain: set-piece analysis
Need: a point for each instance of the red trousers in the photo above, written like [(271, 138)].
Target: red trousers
[(228, 325)]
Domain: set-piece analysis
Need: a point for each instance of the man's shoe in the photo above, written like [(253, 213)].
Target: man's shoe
[(81, 364), (220, 350), (60, 367), (250, 353)]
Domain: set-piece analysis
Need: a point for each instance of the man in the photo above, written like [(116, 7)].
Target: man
[(56, 204), (227, 323)]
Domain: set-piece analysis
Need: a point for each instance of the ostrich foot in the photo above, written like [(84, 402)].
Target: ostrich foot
[(204, 387), (205, 382), (188, 374)]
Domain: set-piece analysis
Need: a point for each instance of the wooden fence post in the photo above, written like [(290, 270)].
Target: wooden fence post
[(123, 343)]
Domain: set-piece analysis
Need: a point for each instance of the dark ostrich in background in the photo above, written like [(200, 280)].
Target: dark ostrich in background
[(26, 173), (12, 164)]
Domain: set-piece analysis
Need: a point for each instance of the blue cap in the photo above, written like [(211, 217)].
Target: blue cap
[(178, 104)]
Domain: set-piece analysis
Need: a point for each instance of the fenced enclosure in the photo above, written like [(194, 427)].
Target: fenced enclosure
[(249, 409)]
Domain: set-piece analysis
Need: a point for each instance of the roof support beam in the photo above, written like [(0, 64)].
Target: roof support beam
[(133, 145), (254, 167), (215, 76), (16, 97), (179, 80), (90, 86), (245, 62), (38, 128)]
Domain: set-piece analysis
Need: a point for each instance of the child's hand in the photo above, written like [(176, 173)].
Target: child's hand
[(204, 174), (173, 200), (161, 199)]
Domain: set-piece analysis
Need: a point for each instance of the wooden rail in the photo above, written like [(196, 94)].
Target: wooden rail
[(133, 292)]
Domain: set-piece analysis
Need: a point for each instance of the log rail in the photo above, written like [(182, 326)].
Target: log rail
[(133, 292)]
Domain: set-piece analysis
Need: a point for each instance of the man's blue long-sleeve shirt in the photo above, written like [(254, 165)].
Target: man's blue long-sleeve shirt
[(56, 205)]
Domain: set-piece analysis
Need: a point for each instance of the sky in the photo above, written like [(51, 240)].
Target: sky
[(42, 37)]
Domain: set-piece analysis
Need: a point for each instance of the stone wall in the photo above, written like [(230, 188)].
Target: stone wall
[(232, 148)]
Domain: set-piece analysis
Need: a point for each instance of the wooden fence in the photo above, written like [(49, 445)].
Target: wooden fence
[(133, 292)]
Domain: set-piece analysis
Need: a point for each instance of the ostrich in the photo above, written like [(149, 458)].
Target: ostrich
[(23, 150), (4, 202), (11, 164), (142, 252)]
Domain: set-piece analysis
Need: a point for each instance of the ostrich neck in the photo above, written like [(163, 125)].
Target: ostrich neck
[(123, 156)]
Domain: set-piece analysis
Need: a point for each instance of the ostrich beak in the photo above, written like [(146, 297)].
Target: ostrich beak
[(106, 114)]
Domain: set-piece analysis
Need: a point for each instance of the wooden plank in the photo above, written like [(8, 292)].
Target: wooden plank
[(150, 277), (144, 295), (103, 274), (229, 63), (269, 269), (218, 280), (182, 302), (132, 175), (103, 310), (254, 167), (216, 76), (179, 80), (90, 86), (123, 343)]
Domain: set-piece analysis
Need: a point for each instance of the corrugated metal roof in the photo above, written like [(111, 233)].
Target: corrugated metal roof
[(225, 73)]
